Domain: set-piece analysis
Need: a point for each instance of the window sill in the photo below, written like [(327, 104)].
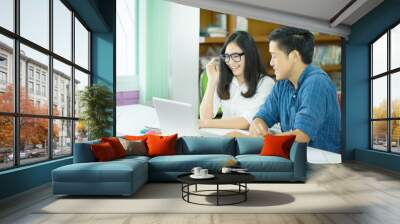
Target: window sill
[(25, 167)]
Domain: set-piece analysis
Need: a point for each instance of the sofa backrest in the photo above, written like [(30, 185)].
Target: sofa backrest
[(192, 145), (298, 148), (249, 145), (83, 152)]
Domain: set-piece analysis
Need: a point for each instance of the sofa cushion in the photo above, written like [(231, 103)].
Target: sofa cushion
[(116, 145), (161, 145), (103, 152), (136, 147), (277, 145), (131, 158), (257, 163), (249, 145), (198, 145), (185, 163), (136, 137)]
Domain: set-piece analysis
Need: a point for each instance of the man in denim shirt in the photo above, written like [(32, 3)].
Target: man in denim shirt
[(304, 99)]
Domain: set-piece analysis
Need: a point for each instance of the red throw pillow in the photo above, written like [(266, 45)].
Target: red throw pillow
[(277, 145), (103, 152), (161, 145), (116, 145)]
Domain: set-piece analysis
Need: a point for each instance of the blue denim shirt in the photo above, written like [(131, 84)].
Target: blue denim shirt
[(312, 108)]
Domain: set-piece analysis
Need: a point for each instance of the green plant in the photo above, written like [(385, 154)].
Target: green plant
[(96, 103)]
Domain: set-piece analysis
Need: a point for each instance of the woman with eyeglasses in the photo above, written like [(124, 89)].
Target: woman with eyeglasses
[(236, 83)]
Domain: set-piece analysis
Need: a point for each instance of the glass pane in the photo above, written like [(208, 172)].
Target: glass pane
[(7, 14), (33, 139), (395, 94), (81, 131), (62, 89), (6, 74), (395, 47), (62, 29), (395, 138), (379, 97), (6, 142), (127, 80), (379, 55), (62, 137), (35, 21), (379, 135), (81, 45), (81, 81), (34, 82)]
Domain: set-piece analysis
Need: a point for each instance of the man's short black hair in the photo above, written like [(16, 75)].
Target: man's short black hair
[(290, 38)]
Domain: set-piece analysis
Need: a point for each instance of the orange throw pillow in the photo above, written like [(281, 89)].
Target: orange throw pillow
[(161, 145), (142, 138), (277, 145), (103, 152), (116, 145)]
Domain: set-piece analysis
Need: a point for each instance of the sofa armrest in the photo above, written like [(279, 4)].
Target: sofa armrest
[(298, 155), (83, 152)]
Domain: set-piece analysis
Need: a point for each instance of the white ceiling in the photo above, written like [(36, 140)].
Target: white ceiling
[(315, 15), (320, 9)]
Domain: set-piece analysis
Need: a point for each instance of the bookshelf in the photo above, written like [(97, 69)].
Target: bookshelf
[(319, 39), (331, 68), (326, 53)]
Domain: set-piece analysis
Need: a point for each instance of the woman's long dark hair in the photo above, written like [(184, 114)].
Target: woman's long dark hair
[(253, 70)]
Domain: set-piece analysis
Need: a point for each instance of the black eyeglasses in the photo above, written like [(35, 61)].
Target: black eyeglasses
[(236, 57)]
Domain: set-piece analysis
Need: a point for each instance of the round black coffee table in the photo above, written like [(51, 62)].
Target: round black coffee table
[(238, 179)]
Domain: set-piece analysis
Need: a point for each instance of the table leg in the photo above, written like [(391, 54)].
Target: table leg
[(188, 190), (245, 193), (217, 194), (182, 188)]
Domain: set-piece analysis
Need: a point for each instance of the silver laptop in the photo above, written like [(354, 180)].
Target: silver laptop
[(176, 117), (181, 118)]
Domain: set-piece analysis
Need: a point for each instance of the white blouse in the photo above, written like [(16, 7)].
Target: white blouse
[(240, 106)]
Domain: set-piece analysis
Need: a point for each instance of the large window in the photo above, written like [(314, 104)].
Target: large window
[(127, 81), (7, 14), (34, 21), (40, 80), (385, 94), (6, 70), (81, 45), (62, 33)]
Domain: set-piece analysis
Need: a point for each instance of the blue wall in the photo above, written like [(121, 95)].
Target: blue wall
[(99, 15), (103, 53), (24, 178), (103, 62), (356, 84)]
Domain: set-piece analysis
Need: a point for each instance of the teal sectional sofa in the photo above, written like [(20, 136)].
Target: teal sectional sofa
[(125, 176)]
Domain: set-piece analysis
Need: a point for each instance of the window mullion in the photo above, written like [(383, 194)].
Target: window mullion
[(371, 89), (389, 104), (16, 84), (50, 81), (73, 82)]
